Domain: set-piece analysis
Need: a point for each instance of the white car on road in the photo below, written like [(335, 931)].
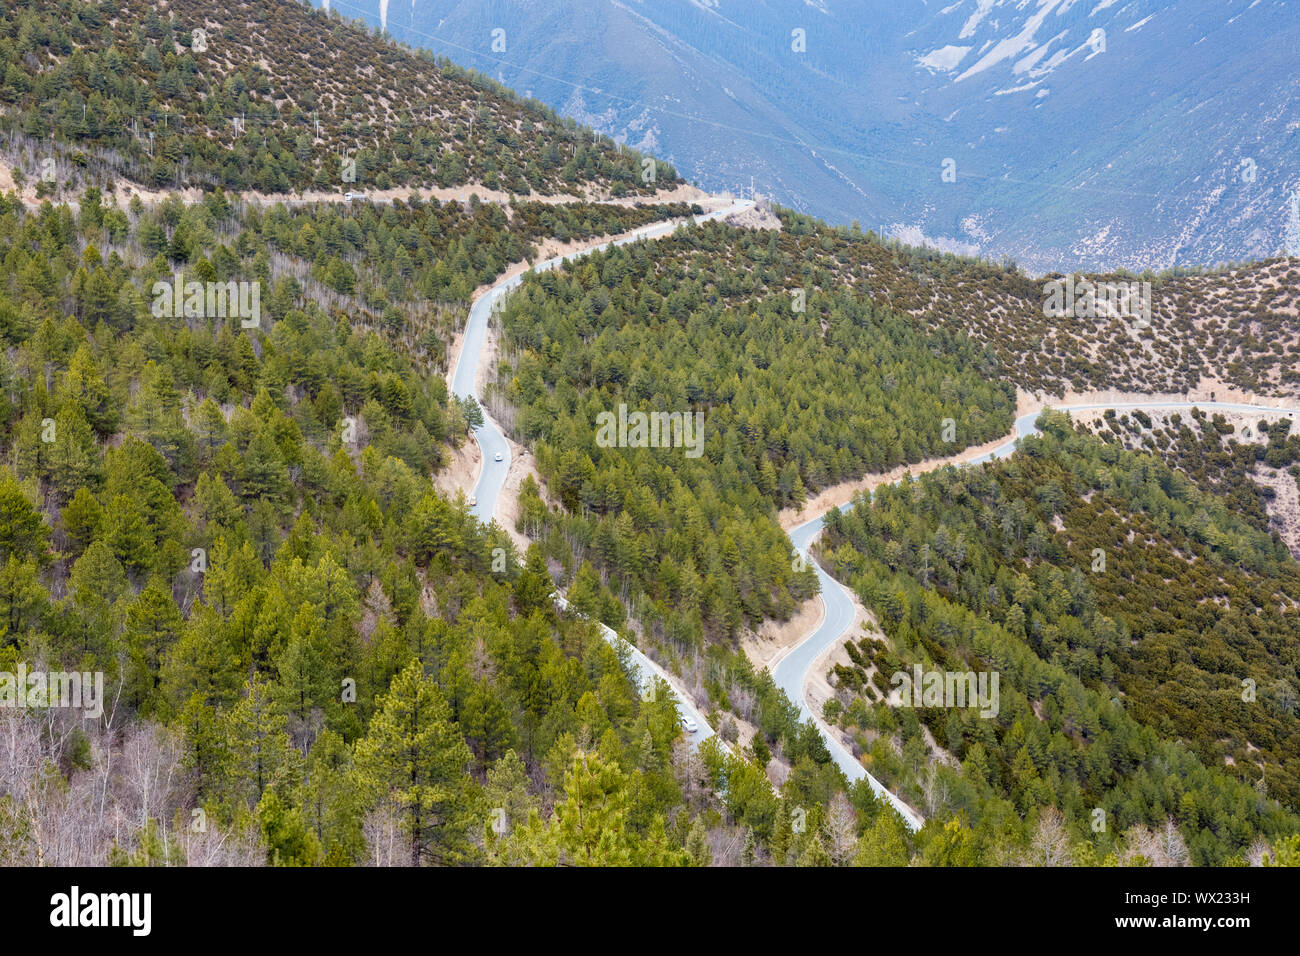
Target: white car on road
[(688, 724), (499, 456)]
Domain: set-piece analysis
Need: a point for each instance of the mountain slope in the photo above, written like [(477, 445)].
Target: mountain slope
[(1167, 138)]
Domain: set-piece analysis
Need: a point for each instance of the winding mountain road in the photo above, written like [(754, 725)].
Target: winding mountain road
[(492, 440), (794, 669), (791, 673), (489, 435)]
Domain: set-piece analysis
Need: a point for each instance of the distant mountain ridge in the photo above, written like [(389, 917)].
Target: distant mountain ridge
[(1083, 133)]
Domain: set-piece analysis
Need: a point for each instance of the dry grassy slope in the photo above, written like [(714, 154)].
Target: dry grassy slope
[(300, 51), (1234, 329), (1238, 328)]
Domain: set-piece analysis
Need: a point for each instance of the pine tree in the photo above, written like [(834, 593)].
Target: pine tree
[(591, 820), (534, 588), (953, 845), (884, 843), (264, 474), (486, 723), (23, 531), (289, 839), (128, 533), (585, 594), (209, 430), (697, 844), (1286, 852), (82, 519), (153, 624), (330, 803), (304, 684), (205, 752), (506, 794), (73, 460), (781, 834), (96, 582), (202, 664), (259, 747), (22, 598), (83, 384), (815, 854), (415, 757)]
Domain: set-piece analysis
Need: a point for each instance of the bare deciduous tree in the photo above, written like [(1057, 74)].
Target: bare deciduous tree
[(689, 771), (841, 830), (1160, 848), (383, 832), (57, 811), (1050, 845)]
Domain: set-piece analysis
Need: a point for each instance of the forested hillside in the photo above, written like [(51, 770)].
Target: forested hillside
[(237, 96), (237, 528), (1253, 465), (801, 383), (235, 525), (1145, 637), (711, 321)]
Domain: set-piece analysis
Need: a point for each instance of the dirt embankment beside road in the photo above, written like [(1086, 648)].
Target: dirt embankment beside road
[(774, 639), (838, 495)]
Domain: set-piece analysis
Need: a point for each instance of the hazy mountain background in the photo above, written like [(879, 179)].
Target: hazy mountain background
[(1066, 154)]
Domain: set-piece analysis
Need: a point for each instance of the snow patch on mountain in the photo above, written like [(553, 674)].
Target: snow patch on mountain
[(945, 58), (1013, 46), (982, 10), (1030, 60), (915, 236), (1018, 89)]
